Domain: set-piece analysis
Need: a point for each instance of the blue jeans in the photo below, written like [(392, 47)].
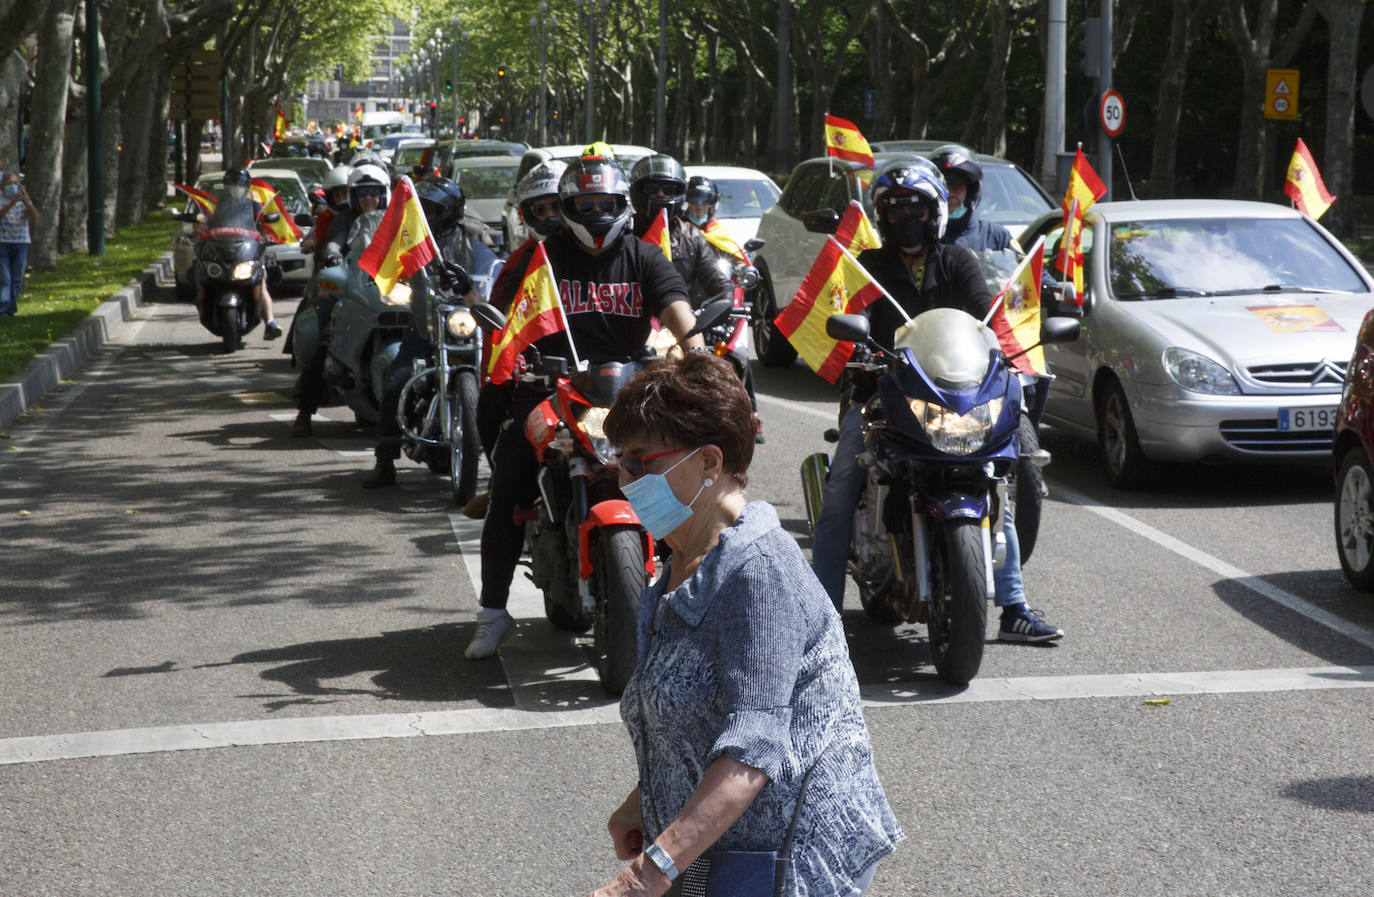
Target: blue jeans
[(13, 259), (830, 545)]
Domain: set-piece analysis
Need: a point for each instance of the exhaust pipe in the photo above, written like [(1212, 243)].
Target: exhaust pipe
[(814, 470)]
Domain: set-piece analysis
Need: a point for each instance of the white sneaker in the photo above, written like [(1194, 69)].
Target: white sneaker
[(493, 628)]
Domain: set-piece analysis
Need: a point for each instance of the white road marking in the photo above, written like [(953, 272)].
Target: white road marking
[(798, 407)]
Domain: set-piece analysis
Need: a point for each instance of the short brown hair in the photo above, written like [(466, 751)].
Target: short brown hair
[(697, 400)]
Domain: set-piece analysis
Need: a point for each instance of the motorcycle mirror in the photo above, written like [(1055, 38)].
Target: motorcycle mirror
[(711, 313), (747, 276), (304, 220), (849, 328), (1068, 291), (1059, 329), (271, 218), (822, 221), (754, 245), (488, 316)]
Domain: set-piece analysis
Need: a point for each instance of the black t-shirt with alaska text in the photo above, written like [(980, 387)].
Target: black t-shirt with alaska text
[(609, 298)]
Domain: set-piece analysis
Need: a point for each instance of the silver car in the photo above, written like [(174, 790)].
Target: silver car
[(1213, 330)]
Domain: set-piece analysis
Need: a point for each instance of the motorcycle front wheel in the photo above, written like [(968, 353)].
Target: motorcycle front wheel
[(620, 579), (464, 447), (959, 606), (229, 328)]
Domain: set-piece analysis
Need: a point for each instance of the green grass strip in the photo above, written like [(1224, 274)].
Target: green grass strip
[(53, 303)]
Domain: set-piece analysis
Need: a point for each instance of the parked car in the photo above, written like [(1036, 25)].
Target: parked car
[(745, 194), (1213, 330), (822, 187), (409, 156), (310, 169), (299, 147), (514, 232), (1352, 447), (296, 267), (485, 181)]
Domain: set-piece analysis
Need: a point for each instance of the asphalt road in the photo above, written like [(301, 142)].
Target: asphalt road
[(229, 670)]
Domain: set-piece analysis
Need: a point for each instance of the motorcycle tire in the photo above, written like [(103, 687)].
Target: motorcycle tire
[(465, 449), (620, 579), (229, 330), (771, 347), (1026, 495), (959, 613), (1354, 519)]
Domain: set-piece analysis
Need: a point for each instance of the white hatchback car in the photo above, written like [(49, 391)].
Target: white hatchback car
[(745, 195)]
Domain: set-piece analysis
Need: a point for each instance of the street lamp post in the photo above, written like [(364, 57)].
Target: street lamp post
[(588, 11), (459, 39), (541, 25)]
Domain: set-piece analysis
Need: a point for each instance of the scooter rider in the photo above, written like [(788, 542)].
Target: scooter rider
[(611, 284), (443, 203), (964, 179), (237, 182), (909, 200), (702, 198)]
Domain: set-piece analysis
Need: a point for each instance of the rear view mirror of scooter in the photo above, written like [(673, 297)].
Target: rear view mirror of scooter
[(488, 317), (1059, 329)]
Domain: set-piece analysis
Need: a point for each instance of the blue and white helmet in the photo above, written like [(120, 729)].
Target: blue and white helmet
[(914, 180)]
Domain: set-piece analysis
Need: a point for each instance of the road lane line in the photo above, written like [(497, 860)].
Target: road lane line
[(799, 408), (1302, 606), (249, 733)]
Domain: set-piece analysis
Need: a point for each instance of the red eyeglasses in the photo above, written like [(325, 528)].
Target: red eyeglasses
[(634, 465)]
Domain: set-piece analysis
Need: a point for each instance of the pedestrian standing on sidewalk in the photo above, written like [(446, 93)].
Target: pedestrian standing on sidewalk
[(16, 211)]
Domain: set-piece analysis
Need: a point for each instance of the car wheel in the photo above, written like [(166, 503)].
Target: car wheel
[(1122, 458), (1354, 519), (771, 347)]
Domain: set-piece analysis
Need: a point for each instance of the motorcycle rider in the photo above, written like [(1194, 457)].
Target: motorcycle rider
[(964, 179), (921, 272), (702, 198), (594, 258), (237, 182), (336, 203), (659, 183), (443, 203)]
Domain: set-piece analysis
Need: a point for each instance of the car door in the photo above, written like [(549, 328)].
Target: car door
[(1071, 400), (790, 248)]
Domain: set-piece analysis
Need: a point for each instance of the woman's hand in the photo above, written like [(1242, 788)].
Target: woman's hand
[(627, 828), (639, 879)]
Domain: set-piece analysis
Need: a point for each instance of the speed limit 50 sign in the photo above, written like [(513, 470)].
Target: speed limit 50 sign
[(1112, 113)]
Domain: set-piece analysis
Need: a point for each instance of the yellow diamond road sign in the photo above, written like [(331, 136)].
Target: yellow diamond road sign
[(1281, 94)]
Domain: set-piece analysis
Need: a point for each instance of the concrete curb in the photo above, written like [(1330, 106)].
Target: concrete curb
[(54, 365)]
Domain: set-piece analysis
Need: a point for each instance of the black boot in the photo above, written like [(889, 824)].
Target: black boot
[(383, 474)]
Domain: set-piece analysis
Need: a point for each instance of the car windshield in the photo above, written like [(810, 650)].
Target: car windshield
[(1007, 196), (745, 198), (1224, 256), (486, 181), (290, 150), (291, 192), (407, 157), (390, 140)]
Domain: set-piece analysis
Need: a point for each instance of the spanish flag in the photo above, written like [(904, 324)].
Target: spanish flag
[(836, 284), (284, 229), (717, 236), (1304, 184), (1015, 316), (1085, 188), (403, 243), (659, 235), (358, 113), (855, 231), (843, 141), (205, 201), (279, 123), (535, 312)]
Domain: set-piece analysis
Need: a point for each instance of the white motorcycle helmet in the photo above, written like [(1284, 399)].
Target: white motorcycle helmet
[(336, 179), (365, 176), (540, 183), (595, 197)]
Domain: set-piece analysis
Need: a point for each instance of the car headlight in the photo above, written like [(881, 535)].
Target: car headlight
[(243, 271), (956, 434), (1198, 373), (399, 295), (461, 324), (593, 423)]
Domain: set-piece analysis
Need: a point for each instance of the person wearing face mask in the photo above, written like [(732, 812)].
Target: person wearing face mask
[(611, 286), (964, 179), (921, 272), (744, 708), (657, 184), (16, 211)]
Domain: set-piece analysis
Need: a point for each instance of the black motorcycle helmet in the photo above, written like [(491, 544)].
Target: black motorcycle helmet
[(703, 190), (236, 182), (443, 203), (958, 165), (649, 175)]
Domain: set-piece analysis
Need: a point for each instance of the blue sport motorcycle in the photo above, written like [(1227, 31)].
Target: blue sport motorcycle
[(940, 443)]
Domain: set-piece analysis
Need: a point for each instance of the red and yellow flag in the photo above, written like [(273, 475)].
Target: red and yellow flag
[(1304, 184), (836, 284), (358, 113), (1085, 188), (205, 201), (659, 235), (535, 312), (284, 229), (718, 237), (856, 232), (279, 123), (1016, 314), (403, 243), (843, 141)]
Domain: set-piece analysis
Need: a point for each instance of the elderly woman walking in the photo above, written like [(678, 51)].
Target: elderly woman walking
[(16, 211), (744, 709)]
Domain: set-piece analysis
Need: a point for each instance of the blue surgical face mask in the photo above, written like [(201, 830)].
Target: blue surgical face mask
[(655, 503), (956, 214), (698, 220), (11, 189)]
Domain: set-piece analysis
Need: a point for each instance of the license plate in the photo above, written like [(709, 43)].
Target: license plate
[(1307, 419)]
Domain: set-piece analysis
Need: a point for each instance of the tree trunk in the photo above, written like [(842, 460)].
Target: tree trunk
[(47, 131), (137, 107), (1343, 25), (159, 143), (1169, 99), (71, 234), (1253, 48), (993, 135), (14, 76)]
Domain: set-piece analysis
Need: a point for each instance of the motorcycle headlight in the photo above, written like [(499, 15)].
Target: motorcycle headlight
[(243, 271), (1198, 373), (399, 295), (956, 434), (215, 270), (461, 324), (593, 423)]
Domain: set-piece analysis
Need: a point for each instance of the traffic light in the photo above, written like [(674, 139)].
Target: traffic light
[(432, 104), (501, 73), (479, 85), (448, 85)]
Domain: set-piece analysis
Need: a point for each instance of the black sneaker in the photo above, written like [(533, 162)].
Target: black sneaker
[(1021, 624), (384, 474), (271, 331)]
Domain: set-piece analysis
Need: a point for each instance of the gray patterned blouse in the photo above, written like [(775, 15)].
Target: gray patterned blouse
[(748, 659)]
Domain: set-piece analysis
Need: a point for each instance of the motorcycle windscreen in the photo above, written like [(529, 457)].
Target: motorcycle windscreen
[(949, 345), (232, 214), (600, 383)]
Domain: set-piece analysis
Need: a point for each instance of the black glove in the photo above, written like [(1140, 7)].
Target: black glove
[(332, 258), (453, 278)]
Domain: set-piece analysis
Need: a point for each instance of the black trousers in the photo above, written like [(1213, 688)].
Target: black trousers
[(514, 484), (397, 374), (312, 374)]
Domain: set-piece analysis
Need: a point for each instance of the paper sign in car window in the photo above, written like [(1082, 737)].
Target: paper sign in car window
[(1294, 318)]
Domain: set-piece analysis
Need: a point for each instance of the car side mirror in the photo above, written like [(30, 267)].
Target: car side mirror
[(304, 220), (821, 221), (848, 328), (1059, 329), (754, 245)]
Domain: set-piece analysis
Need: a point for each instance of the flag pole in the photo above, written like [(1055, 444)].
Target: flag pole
[(997, 300), (895, 304)]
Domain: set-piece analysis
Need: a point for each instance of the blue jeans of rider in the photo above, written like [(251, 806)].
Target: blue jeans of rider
[(830, 547), (13, 259)]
